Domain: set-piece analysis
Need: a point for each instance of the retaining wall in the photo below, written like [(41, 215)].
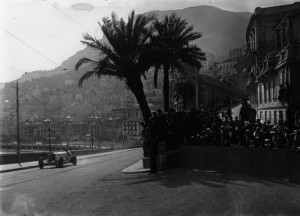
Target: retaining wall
[(253, 161)]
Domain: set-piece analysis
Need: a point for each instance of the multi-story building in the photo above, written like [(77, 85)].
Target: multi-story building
[(230, 70), (211, 91), (273, 51)]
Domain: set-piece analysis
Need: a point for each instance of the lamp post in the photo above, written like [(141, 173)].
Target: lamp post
[(92, 135), (49, 134), (68, 119), (98, 130)]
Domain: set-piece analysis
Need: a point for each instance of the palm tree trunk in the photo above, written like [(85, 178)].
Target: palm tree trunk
[(136, 86), (166, 88), (184, 101)]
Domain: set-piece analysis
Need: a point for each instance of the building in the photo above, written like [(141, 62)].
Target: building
[(273, 52), (230, 70), (211, 91)]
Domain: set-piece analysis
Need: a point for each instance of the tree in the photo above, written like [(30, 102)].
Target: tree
[(184, 90), (171, 46), (125, 56)]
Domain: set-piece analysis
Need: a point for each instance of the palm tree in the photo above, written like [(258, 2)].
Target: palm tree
[(125, 55), (171, 40), (184, 90)]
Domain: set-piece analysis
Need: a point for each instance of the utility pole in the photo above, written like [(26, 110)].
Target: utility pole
[(18, 124)]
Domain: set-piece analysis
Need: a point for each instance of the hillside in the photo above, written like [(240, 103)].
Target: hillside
[(222, 30)]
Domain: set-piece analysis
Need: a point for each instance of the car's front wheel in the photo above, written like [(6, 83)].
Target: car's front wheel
[(74, 160), (41, 163), (60, 162)]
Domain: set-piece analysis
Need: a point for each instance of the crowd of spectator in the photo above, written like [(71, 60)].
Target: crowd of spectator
[(207, 126)]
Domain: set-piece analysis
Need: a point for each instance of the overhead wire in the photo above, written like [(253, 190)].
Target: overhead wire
[(27, 73), (30, 47), (22, 4), (41, 54), (26, 93), (38, 52), (57, 109), (66, 15)]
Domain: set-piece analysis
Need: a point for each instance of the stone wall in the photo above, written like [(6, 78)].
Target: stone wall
[(261, 162)]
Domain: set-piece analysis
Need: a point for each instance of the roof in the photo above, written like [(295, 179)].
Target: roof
[(271, 11)]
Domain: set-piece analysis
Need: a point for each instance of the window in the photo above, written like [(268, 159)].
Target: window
[(284, 38), (260, 114), (274, 88), (269, 91), (280, 115), (259, 94), (278, 41)]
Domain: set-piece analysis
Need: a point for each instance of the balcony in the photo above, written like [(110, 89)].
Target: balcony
[(267, 64), (283, 54), (288, 52), (250, 80)]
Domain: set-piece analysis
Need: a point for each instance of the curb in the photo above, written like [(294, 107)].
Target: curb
[(20, 168), (136, 168)]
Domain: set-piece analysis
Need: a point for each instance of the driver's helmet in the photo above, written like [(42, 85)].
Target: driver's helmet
[(68, 151)]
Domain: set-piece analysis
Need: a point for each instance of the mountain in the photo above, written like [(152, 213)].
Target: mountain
[(222, 30)]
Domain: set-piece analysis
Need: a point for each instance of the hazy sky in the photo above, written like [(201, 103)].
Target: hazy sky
[(53, 28)]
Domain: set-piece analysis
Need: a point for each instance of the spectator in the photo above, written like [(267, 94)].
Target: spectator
[(229, 113), (287, 92), (281, 96)]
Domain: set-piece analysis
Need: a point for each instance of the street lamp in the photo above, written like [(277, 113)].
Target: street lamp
[(49, 133), (93, 135), (68, 119), (95, 128), (98, 130)]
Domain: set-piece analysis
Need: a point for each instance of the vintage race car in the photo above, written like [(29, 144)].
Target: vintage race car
[(58, 159)]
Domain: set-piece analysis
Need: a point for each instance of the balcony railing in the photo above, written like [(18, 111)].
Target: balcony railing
[(283, 54), (288, 52), (267, 64)]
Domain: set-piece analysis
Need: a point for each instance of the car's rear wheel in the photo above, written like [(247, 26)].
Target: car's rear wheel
[(41, 163), (74, 160), (60, 162)]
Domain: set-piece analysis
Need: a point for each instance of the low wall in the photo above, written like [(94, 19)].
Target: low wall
[(253, 161), (34, 156)]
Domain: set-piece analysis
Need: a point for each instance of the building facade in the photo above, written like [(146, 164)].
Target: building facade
[(273, 51), (210, 90)]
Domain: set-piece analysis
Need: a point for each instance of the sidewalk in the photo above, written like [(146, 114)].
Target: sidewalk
[(33, 164), (136, 168)]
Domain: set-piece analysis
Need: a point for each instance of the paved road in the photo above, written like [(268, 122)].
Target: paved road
[(97, 187), (51, 191)]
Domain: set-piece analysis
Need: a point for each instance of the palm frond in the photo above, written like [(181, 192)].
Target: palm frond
[(83, 61), (85, 76)]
